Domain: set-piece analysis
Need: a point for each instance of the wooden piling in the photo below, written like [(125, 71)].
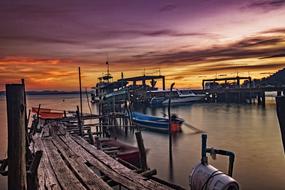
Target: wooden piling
[(263, 100), (80, 90), (280, 107), (27, 117), (16, 137), (79, 123), (90, 136), (169, 123), (143, 161), (25, 104)]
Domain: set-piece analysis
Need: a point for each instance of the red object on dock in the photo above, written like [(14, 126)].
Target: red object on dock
[(46, 113), (51, 115), (35, 110)]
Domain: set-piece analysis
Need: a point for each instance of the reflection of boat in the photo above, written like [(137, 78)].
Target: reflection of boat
[(121, 150), (184, 97), (154, 123)]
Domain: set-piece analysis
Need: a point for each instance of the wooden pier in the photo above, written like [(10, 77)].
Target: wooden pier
[(61, 153), (70, 162), (235, 92)]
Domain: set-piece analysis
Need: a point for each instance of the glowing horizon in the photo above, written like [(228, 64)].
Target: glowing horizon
[(45, 42)]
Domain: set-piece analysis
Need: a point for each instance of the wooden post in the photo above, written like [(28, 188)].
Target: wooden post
[(16, 137), (25, 103), (90, 136), (280, 107), (143, 162), (80, 90), (163, 82), (263, 100), (259, 98), (169, 122), (27, 117), (79, 124)]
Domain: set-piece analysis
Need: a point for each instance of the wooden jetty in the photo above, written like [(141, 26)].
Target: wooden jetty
[(70, 162), (54, 154), (237, 93)]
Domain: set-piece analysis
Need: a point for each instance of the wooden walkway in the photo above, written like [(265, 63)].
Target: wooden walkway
[(70, 162)]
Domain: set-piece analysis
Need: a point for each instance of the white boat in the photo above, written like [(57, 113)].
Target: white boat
[(184, 97)]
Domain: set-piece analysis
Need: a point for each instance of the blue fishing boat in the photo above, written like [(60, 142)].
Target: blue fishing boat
[(155, 123)]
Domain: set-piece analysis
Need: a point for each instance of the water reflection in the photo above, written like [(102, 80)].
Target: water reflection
[(248, 130)]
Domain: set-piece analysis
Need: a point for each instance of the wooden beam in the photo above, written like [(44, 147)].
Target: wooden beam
[(16, 137)]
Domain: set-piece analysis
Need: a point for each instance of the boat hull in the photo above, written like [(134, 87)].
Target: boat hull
[(157, 124), (125, 152), (183, 100)]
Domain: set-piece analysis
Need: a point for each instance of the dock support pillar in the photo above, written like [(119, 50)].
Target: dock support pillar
[(259, 98), (280, 107), (17, 178), (163, 83), (263, 99), (143, 162), (80, 90), (79, 122)]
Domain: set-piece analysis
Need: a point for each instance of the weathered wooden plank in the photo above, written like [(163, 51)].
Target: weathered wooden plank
[(46, 175), (41, 177), (119, 168), (77, 163), (64, 175), (107, 170)]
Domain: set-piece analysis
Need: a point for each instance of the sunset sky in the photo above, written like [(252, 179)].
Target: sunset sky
[(45, 41)]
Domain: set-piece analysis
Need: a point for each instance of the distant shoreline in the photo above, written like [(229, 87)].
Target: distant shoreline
[(46, 92)]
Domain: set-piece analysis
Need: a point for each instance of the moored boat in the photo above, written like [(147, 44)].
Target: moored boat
[(46, 113), (184, 97), (121, 150), (155, 123)]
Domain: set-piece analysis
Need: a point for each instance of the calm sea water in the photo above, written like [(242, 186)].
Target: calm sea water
[(248, 130)]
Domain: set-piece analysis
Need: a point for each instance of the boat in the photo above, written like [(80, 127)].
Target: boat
[(107, 90), (46, 113), (156, 101), (184, 97), (120, 150), (155, 123)]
